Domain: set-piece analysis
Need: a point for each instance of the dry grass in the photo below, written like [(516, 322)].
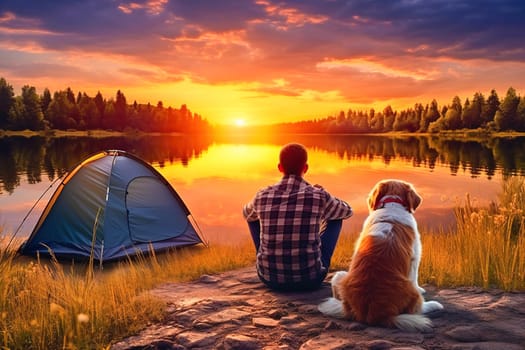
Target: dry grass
[(47, 305), (488, 247)]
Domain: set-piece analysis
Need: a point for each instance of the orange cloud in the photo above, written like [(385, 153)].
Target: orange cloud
[(154, 7), (288, 16), (371, 66)]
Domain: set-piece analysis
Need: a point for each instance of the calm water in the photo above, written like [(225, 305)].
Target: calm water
[(215, 177)]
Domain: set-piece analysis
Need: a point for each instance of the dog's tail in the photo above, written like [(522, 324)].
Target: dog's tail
[(412, 322), (332, 307)]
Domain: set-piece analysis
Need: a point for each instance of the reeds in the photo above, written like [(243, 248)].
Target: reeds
[(487, 249)]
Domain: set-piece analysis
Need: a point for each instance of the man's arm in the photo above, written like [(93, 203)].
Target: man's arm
[(336, 208), (249, 213)]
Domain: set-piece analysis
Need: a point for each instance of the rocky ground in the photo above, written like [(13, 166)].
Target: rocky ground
[(234, 310)]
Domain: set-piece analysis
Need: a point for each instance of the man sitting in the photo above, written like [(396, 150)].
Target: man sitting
[(294, 226)]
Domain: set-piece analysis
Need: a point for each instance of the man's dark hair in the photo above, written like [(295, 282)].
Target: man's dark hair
[(293, 158)]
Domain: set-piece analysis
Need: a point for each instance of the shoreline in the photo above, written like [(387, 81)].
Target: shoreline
[(99, 133)]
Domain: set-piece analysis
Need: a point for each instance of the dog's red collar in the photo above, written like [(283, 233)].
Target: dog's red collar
[(389, 199)]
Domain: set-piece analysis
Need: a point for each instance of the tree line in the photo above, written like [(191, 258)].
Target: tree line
[(64, 110), (485, 114)]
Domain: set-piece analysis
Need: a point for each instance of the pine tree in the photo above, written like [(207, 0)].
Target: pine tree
[(520, 115), (100, 103), (26, 112), (121, 108), (7, 100), (452, 118), (471, 116), (505, 117), (431, 115), (45, 100), (489, 109), (59, 111), (34, 117)]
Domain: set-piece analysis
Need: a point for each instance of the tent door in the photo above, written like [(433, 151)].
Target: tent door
[(154, 214)]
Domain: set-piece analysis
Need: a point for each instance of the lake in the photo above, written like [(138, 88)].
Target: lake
[(216, 176)]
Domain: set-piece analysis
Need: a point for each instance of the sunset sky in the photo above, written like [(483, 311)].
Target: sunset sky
[(266, 61)]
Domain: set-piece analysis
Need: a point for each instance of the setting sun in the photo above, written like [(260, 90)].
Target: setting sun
[(239, 123)]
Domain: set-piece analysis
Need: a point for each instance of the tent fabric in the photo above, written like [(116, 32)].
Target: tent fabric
[(111, 206)]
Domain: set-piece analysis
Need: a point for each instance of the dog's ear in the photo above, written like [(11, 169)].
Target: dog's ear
[(413, 199), (375, 195)]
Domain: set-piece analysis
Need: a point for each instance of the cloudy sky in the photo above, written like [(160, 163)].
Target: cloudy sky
[(265, 61)]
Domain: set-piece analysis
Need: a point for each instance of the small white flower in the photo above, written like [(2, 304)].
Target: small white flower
[(82, 318), (54, 308)]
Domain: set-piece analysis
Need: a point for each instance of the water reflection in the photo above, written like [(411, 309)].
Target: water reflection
[(216, 176), (35, 157)]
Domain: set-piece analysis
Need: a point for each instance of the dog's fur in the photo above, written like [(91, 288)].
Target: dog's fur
[(381, 286)]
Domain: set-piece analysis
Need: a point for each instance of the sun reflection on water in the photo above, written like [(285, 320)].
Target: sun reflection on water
[(216, 185)]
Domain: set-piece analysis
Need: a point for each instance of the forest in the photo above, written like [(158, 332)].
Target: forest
[(63, 110), (483, 114)]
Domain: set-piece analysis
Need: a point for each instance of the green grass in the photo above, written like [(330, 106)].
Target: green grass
[(47, 305)]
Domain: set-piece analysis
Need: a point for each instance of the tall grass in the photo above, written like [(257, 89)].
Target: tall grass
[(49, 305), (487, 248)]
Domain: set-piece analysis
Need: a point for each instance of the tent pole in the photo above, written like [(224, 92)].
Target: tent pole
[(30, 210), (201, 234), (101, 256)]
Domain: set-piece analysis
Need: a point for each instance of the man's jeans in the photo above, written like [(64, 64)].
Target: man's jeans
[(329, 236)]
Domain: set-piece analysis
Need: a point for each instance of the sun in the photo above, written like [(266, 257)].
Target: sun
[(239, 123)]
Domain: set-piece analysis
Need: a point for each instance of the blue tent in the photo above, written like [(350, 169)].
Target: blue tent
[(110, 206)]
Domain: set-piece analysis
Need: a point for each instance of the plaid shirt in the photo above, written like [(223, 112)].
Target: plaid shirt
[(291, 213)]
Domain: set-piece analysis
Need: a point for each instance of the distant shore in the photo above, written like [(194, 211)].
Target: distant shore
[(99, 133), (79, 133)]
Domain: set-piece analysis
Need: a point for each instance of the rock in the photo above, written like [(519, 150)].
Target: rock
[(208, 279), (234, 310), (264, 322), (227, 315), (164, 345), (277, 347), (240, 342), (290, 319), (466, 333), (488, 346), (196, 339), (277, 314), (379, 345), (327, 342)]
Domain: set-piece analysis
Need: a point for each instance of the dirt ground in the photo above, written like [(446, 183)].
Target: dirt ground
[(233, 310)]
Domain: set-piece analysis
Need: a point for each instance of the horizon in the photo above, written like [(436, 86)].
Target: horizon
[(266, 62), (242, 123)]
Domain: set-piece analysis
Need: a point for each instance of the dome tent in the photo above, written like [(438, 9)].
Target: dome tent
[(112, 205)]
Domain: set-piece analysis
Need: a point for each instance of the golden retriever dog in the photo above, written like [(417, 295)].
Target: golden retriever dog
[(381, 288)]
